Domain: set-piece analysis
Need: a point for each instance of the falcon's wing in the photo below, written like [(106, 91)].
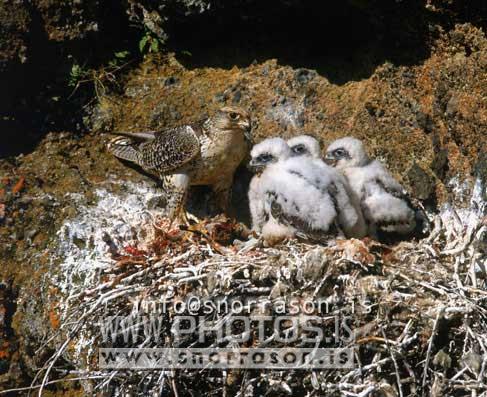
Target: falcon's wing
[(170, 149), (331, 184), (126, 145)]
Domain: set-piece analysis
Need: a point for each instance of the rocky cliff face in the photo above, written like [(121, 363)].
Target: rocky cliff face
[(409, 79), (426, 122)]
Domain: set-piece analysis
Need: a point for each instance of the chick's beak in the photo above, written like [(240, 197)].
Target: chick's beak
[(330, 160), (255, 167)]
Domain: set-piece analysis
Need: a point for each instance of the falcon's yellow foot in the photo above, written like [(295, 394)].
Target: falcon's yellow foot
[(181, 219)]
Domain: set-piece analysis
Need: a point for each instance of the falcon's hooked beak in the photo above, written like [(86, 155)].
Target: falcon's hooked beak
[(247, 127), (330, 160)]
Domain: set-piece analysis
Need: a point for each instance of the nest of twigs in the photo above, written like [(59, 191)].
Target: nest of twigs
[(418, 310)]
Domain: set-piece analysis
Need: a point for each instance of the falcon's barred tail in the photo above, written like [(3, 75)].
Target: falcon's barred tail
[(125, 149), (140, 136)]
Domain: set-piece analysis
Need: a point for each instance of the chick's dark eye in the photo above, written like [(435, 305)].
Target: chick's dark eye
[(299, 149), (233, 116), (339, 153)]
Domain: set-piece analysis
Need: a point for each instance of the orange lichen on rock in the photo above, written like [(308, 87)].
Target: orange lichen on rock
[(5, 350), (54, 319)]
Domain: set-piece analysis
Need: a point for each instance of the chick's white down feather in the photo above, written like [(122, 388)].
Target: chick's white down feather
[(350, 214), (312, 197), (294, 186), (301, 192), (273, 231), (275, 146), (374, 183), (279, 149), (382, 197), (256, 204)]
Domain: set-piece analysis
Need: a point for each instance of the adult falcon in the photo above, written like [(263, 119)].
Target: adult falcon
[(203, 153)]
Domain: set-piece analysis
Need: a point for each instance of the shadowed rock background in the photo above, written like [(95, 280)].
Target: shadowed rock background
[(408, 77)]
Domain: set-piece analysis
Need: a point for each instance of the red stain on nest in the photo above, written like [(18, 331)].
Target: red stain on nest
[(19, 185), (160, 245), (134, 251)]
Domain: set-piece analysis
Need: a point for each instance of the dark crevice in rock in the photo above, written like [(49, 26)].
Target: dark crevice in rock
[(342, 41), (36, 97)]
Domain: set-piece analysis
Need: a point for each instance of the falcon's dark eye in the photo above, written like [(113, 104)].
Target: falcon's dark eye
[(340, 153), (265, 158), (233, 115), (299, 149)]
